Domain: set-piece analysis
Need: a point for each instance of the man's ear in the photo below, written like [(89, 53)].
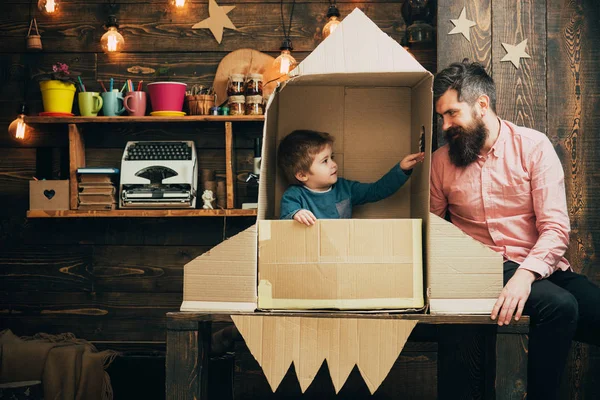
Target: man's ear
[(484, 104), (301, 176)]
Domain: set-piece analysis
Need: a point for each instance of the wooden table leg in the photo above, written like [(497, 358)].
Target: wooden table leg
[(511, 363), (188, 349), (462, 351)]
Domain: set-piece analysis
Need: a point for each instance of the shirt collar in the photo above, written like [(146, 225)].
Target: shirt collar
[(498, 147), (317, 191)]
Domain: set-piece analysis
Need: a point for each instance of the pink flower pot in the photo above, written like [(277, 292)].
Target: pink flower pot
[(166, 96)]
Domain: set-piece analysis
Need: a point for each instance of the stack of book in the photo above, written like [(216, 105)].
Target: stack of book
[(97, 190)]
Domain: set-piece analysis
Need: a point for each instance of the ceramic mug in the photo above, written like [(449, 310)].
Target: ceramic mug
[(135, 103), (90, 103), (113, 103)]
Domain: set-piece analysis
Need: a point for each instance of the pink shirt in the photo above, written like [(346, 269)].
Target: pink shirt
[(512, 200)]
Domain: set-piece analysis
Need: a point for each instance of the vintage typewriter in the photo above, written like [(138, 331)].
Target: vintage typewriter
[(159, 174)]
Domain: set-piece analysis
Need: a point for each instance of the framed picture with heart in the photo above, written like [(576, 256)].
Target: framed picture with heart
[(49, 195)]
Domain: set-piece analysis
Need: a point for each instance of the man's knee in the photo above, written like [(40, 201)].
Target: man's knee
[(564, 307)]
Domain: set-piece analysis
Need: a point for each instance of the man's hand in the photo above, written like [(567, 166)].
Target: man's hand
[(411, 160), (513, 296), (305, 217)]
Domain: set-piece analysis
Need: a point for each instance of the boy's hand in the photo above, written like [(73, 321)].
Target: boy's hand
[(411, 160), (305, 217)]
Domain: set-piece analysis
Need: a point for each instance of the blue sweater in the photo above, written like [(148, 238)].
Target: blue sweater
[(337, 202)]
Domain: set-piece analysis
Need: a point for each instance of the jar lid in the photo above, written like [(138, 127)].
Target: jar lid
[(254, 99), (237, 77), (237, 99), (255, 77)]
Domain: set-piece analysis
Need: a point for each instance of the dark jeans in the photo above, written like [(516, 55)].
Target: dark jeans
[(563, 307)]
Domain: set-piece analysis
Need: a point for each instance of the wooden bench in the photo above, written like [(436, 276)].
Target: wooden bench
[(464, 341)]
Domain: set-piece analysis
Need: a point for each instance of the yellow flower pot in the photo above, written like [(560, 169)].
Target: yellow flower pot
[(57, 96)]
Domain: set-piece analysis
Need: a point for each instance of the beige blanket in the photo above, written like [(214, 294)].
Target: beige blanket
[(69, 368)]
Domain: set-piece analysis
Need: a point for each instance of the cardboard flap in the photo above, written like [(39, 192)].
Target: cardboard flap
[(371, 344), (232, 263), (462, 262), (357, 46)]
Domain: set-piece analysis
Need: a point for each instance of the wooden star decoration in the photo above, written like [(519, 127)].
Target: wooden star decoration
[(217, 21), (462, 25), (515, 53)]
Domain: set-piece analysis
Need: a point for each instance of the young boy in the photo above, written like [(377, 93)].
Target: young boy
[(306, 159)]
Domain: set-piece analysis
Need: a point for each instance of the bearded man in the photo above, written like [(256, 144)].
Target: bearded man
[(503, 185)]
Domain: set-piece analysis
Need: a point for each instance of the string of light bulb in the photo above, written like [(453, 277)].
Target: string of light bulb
[(333, 19), (284, 63), (112, 41), (48, 6)]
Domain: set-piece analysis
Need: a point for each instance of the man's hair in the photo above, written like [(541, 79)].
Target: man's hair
[(470, 80), (297, 151)]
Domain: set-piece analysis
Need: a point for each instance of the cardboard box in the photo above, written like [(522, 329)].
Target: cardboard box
[(49, 195), (375, 98), (340, 264)]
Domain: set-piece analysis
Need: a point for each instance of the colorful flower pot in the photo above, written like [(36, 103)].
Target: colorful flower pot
[(166, 96), (57, 96)]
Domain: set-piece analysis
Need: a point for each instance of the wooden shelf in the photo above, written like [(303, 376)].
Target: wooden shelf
[(77, 160), (104, 120), (141, 213)]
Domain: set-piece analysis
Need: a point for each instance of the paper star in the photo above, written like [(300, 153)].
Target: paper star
[(217, 21), (515, 53), (462, 25)]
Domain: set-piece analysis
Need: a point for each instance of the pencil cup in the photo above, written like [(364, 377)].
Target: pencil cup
[(135, 103), (90, 103), (113, 103)]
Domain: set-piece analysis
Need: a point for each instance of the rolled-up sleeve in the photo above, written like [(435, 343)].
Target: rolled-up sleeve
[(550, 207)]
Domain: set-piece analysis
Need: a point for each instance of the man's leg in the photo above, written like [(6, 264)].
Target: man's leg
[(554, 314), (588, 299)]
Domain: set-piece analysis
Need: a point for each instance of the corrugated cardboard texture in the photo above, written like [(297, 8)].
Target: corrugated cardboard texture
[(371, 344), (344, 264), (460, 270), (223, 278)]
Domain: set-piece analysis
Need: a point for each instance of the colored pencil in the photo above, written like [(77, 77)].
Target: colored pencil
[(81, 83), (102, 84)]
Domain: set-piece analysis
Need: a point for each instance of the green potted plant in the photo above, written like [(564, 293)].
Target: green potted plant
[(58, 88)]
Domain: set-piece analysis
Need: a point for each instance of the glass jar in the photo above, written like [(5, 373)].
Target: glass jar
[(254, 85), (237, 105), (235, 85), (254, 105)]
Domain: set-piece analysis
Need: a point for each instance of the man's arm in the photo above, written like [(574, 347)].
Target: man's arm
[(438, 203), (552, 223), (550, 207)]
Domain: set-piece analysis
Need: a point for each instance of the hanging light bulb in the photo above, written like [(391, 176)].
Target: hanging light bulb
[(18, 128), (333, 15), (179, 3), (112, 41), (285, 62), (48, 6)]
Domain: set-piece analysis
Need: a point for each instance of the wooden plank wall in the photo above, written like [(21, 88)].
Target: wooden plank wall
[(111, 281), (556, 91)]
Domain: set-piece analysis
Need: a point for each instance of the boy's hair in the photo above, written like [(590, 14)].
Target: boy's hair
[(470, 80), (297, 151)]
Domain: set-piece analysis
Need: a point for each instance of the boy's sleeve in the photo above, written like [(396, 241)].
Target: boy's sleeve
[(389, 184), (290, 204)]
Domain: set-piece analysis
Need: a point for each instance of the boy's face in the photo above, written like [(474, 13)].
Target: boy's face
[(322, 173)]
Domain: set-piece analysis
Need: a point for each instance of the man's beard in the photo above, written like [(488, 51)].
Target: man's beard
[(468, 142)]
